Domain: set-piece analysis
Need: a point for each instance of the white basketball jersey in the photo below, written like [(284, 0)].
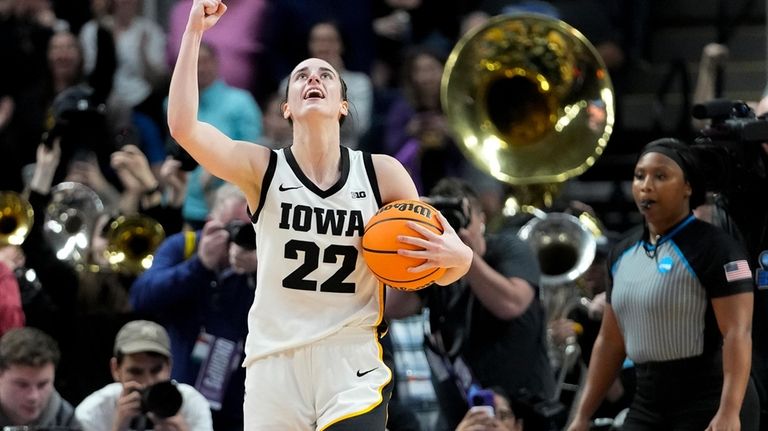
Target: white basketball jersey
[(312, 280)]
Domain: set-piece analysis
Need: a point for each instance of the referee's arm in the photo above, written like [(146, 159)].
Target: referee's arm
[(734, 318), (607, 357)]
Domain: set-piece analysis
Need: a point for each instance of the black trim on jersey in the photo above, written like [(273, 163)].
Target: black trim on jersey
[(371, 171), (309, 184), (265, 182)]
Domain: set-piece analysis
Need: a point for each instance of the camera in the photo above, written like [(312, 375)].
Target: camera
[(729, 151), (178, 153), (162, 399), (80, 123), (454, 209), (732, 121), (729, 148), (242, 234)]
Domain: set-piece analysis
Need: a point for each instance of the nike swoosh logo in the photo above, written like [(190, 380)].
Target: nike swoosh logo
[(282, 188), (359, 374)]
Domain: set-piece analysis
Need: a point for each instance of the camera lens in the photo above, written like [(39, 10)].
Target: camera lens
[(162, 399), (242, 234)]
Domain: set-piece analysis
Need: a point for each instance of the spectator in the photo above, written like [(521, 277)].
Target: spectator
[(490, 323), (142, 358), (200, 287), (277, 132), (399, 24), (141, 69), (326, 42), (28, 360), (417, 132), (290, 21), (503, 416), (11, 311), (24, 40)]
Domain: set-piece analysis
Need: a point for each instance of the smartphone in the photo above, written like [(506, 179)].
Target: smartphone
[(487, 409)]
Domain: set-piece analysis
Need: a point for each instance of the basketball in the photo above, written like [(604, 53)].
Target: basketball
[(380, 244)]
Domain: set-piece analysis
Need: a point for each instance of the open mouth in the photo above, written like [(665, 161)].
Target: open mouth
[(646, 203), (314, 93)]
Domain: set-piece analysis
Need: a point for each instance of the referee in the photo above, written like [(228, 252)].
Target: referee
[(679, 306)]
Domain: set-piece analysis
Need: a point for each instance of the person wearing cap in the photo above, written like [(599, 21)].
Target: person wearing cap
[(28, 360), (142, 358), (679, 305)]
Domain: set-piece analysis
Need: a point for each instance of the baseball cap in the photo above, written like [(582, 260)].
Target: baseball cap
[(140, 336)]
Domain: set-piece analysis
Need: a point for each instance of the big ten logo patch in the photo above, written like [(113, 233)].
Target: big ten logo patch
[(359, 195)]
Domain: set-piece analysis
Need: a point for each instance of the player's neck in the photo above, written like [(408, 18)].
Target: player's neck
[(319, 158)]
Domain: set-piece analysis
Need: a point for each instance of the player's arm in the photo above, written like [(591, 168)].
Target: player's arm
[(446, 250), (238, 162)]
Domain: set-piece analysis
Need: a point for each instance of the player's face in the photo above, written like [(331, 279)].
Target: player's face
[(660, 191), (25, 391), (314, 88)]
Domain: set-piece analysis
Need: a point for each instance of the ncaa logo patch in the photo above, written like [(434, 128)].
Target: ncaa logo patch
[(665, 264)]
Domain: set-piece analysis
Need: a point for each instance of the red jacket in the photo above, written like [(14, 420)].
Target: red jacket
[(11, 313)]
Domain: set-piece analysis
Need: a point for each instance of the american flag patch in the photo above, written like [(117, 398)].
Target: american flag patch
[(737, 270)]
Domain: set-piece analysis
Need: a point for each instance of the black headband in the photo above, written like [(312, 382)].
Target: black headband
[(669, 152)]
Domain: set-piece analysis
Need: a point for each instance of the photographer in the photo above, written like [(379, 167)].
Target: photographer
[(200, 287), (490, 324), (141, 397)]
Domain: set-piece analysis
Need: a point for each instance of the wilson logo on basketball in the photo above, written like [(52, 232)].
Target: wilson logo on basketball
[(410, 206)]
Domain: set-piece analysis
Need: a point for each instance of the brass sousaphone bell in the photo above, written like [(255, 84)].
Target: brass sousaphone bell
[(16, 218), (529, 99)]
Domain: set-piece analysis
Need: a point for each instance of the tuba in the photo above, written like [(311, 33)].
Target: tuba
[(16, 218), (131, 243), (70, 219), (531, 103), (529, 99)]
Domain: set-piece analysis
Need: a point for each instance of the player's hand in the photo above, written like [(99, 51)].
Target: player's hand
[(205, 14), (445, 251)]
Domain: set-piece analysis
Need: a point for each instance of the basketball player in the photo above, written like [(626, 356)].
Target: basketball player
[(313, 361)]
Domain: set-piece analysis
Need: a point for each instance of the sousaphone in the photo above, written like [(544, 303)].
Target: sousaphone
[(531, 103), (529, 99)]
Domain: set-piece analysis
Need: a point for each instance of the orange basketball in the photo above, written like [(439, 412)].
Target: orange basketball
[(380, 244)]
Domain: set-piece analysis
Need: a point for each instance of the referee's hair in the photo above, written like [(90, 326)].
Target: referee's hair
[(686, 158)]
